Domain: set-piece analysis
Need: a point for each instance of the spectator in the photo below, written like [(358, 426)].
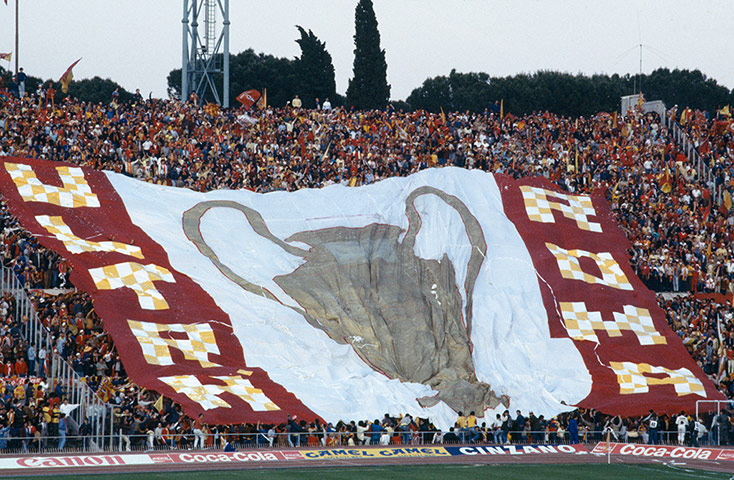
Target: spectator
[(20, 80), (682, 422), (376, 432), (518, 427), (62, 431), (450, 437)]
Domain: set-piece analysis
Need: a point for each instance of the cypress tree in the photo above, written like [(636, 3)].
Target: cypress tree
[(368, 88), (315, 70)]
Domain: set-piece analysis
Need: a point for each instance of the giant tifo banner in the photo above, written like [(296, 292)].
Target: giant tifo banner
[(449, 290)]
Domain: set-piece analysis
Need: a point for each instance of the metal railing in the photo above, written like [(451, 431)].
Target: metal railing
[(58, 373), (152, 441), (704, 171)]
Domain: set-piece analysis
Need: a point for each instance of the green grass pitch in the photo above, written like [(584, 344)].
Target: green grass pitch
[(423, 472)]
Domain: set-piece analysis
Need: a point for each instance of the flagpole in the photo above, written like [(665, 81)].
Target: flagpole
[(16, 37)]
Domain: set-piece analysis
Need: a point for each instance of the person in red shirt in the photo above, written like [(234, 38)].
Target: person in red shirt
[(21, 368), (53, 402), (198, 431)]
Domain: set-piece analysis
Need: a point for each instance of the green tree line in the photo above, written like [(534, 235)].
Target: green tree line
[(93, 90), (566, 94), (311, 77), (560, 93)]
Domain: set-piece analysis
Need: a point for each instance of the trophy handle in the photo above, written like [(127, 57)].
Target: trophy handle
[(473, 230), (192, 220)]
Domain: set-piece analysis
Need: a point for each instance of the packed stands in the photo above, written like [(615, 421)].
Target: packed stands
[(681, 239)]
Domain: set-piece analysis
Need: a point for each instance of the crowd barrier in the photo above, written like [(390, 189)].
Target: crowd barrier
[(121, 442), (56, 371), (704, 171)]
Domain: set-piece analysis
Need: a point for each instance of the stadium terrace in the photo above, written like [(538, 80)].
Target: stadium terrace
[(673, 212)]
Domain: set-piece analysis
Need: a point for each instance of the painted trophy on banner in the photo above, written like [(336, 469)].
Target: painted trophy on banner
[(401, 314)]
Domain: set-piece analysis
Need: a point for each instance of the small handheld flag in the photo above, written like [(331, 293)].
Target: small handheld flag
[(67, 77)]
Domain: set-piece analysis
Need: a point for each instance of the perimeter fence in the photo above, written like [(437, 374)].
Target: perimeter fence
[(156, 441), (57, 373)]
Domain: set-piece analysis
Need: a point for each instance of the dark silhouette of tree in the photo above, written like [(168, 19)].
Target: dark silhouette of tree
[(95, 90), (249, 70), (314, 69), (368, 89), (564, 93), (31, 82)]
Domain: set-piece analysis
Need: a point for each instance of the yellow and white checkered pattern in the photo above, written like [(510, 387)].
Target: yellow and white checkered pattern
[(59, 229), (581, 323), (639, 321), (139, 278), (570, 267), (75, 192), (540, 209), (632, 379), (197, 346), (207, 395)]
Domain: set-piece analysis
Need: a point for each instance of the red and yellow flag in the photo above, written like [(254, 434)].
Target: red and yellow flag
[(212, 109), (666, 185), (248, 98), (726, 203), (159, 404), (263, 102), (67, 77)]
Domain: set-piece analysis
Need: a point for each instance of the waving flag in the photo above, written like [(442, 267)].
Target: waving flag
[(263, 102), (248, 98), (6, 56), (212, 109), (447, 290), (67, 77)]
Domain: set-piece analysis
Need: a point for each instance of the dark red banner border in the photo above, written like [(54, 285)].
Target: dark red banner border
[(111, 222), (565, 233)]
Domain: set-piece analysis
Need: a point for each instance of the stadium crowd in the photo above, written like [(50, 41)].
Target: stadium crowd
[(681, 241)]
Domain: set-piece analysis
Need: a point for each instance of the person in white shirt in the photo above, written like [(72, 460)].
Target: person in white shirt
[(682, 422), (157, 436), (699, 430), (361, 428), (41, 361), (271, 435)]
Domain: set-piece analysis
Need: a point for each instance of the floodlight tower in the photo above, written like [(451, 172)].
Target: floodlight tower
[(205, 52)]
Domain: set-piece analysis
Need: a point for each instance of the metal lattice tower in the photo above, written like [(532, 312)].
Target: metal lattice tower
[(204, 52)]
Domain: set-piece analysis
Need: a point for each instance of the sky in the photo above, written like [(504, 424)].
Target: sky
[(138, 42)]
